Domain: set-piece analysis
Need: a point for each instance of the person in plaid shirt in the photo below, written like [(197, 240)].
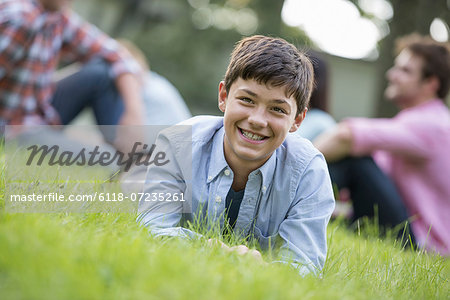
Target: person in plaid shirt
[(35, 35)]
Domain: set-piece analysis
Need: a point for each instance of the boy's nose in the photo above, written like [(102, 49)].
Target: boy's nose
[(258, 118)]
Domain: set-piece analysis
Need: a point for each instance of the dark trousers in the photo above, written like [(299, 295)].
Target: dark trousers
[(92, 87), (370, 187)]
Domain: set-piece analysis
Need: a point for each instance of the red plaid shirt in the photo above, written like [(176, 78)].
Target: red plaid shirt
[(32, 42)]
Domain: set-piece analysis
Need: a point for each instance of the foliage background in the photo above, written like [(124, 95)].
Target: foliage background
[(176, 38)]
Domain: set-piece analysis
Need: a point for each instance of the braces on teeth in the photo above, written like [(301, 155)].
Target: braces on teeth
[(252, 136)]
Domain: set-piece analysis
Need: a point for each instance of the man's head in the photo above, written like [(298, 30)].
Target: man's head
[(54, 5), (421, 71), (264, 96), (273, 62)]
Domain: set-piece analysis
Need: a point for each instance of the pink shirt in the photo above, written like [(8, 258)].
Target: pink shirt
[(413, 149)]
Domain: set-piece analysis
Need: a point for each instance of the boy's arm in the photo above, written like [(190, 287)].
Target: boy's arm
[(162, 218), (304, 231)]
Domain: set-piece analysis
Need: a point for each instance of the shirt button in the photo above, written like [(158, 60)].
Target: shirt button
[(250, 199), (264, 188), (218, 199), (227, 172), (209, 177)]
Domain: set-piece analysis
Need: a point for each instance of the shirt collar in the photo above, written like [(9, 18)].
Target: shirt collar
[(267, 171), (218, 162)]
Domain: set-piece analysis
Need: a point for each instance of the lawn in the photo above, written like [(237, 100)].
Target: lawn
[(108, 256)]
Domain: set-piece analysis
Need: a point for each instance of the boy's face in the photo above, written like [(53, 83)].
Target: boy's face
[(257, 119)]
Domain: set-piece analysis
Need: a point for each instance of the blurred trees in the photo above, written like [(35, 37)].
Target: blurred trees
[(189, 41), (269, 16)]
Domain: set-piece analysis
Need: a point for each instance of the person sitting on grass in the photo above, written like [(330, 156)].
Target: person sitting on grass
[(246, 173), (401, 165), (163, 103), (318, 119), (35, 36)]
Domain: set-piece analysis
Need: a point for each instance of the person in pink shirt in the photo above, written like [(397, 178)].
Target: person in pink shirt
[(401, 165)]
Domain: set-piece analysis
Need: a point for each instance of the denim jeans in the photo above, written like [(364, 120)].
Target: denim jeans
[(370, 187), (91, 86)]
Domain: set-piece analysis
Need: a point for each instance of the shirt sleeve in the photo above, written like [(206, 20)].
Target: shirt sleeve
[(15, 38), (304, 231), (162, 218), (83, 41), (391, 135)]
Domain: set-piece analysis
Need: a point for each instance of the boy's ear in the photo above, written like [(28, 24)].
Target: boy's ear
[(298, 120), (222, 96)]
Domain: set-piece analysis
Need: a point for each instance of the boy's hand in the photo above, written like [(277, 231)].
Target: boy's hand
[(212, 242), (241, 250)]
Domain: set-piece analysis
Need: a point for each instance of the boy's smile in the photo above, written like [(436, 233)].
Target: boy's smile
[(257, 119), (252, 137)]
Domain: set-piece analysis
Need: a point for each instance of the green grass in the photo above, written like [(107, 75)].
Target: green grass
[(108, 256)]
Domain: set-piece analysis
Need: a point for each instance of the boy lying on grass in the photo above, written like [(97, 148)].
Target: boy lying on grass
[(246, 172)]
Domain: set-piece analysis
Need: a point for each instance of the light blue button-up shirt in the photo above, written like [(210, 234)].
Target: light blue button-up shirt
[(287, 202)]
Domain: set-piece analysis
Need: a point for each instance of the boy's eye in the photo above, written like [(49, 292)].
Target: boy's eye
[(246, 100), (279, 110)]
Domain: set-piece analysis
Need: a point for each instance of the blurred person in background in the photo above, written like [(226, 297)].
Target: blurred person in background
[(401, 165), (317, 119), (34, 36), (163, 106), (163, 103)]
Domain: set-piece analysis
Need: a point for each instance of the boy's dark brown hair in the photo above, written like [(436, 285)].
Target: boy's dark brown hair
[(435, 55), (274, 62)]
